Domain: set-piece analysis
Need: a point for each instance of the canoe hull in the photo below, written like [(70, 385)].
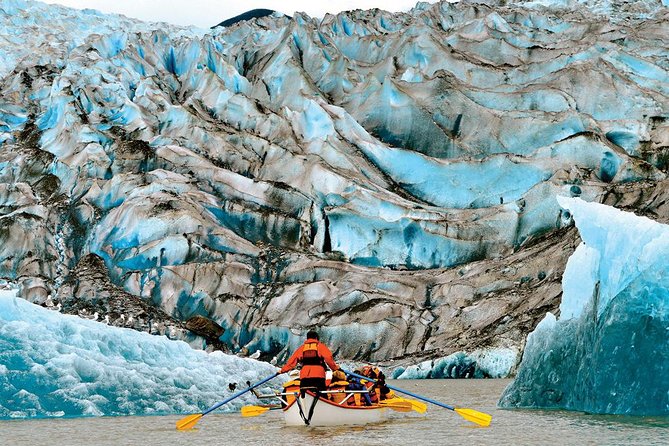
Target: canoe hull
[(327, 413)]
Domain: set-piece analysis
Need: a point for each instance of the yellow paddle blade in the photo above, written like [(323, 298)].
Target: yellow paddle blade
[(188, 422), (480, 418), (416, 405), (253, 411), (400, 406)]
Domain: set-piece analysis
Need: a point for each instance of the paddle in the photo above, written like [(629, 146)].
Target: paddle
[(254, 411), (400, 406), (480, 418), (415, 405), (190, 421)]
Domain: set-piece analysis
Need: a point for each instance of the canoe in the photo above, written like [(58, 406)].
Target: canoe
[(329, 413)]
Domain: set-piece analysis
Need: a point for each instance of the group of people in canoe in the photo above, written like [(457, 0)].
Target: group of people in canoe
[(341, 388), (365, 388)]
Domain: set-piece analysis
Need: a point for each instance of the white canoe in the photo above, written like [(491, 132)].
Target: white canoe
[(328, 413)]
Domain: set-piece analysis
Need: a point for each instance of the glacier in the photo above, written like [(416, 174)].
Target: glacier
[(388, 178), (56, 365), (607, 352), (487, 363)]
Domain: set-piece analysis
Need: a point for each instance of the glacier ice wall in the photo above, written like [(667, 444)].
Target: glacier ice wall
[(325, 164), (55, 365), (485, 363), (608, 352)]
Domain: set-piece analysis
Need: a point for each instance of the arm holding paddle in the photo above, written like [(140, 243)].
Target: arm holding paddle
[(292, 361), (191, 420)]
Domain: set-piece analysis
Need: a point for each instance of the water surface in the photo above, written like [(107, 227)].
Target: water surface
[(437, 427)]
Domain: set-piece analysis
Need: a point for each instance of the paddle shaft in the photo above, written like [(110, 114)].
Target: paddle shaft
[(406, 392), (238, 394), (275, 395)]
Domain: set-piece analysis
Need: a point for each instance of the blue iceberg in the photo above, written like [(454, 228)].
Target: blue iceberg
[(54, 365), (608, 352)]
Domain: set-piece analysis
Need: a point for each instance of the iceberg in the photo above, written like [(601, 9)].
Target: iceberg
[(55, 365), (608, 351), (484, 363)]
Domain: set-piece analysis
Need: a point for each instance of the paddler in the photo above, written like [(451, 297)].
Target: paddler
[(338, 386), (314, 357)]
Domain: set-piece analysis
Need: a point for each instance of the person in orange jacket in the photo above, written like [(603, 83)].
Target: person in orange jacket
[(338, 385), (314, 356)]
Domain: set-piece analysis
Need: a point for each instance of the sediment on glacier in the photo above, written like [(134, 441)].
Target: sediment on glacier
[(390, 178)]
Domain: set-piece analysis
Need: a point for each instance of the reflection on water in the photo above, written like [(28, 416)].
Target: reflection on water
[(437, 427)]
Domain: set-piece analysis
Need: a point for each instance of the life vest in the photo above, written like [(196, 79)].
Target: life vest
[(371, 371), (373, 395), (310, 355), (358, 399), (338, 386)]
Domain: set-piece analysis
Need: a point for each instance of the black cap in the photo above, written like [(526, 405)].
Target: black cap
[(311, 334)]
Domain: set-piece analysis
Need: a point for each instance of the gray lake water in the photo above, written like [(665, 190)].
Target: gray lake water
[(437, 427)]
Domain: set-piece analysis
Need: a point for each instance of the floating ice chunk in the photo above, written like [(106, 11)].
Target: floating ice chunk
[(608, 352), (61, 365)]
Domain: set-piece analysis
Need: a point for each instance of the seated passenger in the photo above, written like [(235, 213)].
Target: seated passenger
[(338, 384), (292, 387), (384, 391), (371, 387), (376, 374), (372, 373), (357, 398)]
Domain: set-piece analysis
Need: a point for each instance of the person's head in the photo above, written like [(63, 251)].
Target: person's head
[(371, 371), (311, 334), (338, 375)]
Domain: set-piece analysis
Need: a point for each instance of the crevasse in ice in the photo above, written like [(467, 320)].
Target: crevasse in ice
[(608, 352), (59, 365)]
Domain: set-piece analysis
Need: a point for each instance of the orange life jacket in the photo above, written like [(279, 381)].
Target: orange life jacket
[(373, 395), (314, 356), (340, 386), (370, 371), (310, 354), (355, 400), (313, 362)]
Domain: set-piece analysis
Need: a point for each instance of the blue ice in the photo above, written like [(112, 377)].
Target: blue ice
[(314, 122), (461, 184), (488, 363), (54, 365), (608, 352), (378, 242), (12, 117)]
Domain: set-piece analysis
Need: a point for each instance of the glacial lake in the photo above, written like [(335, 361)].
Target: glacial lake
[(437, 427)]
